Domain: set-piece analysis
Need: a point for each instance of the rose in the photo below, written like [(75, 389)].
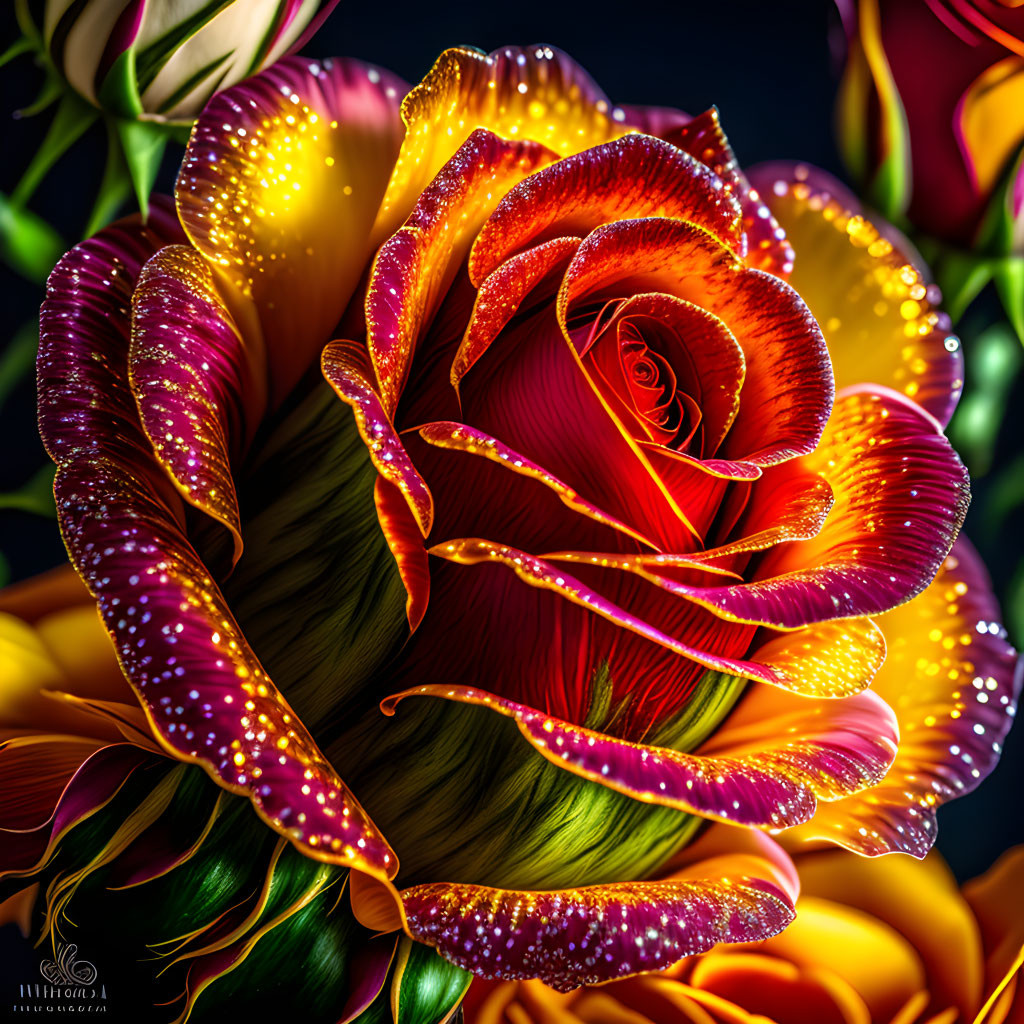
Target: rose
[(165, 60), (147, 67), (540, 368), (930, 115), (876, 941)]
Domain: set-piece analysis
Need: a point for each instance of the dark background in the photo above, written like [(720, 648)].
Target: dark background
[(767, 66)]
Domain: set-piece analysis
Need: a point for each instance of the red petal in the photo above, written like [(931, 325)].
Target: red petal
[(635, 176), (901, 494), (788, 390), (416, 265)]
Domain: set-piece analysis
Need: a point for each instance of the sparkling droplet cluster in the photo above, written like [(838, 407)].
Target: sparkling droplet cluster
[(589, 935)]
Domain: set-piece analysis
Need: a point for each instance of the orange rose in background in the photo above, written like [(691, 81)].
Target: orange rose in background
[(890, 941)]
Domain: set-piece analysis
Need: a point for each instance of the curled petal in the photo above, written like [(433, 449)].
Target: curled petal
[(768, 248), (788, 503), (901, 494), (279, 189), (711, 352), (87, 308), (585, 936), (877, 313), (500, 295), (534, 92), (635, 176), (403, 536), (788, 391), (835, 749), (416, 265), (953, 680), (346, 367), (459, 437), (824, 660), (190, 374), (206, 697)]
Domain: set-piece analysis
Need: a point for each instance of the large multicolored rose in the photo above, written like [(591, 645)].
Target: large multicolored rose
[(874, 942), (492, 408)]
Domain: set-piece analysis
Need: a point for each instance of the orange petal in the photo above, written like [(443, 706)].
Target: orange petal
[(416, 265), (532, 92), (635, 176)]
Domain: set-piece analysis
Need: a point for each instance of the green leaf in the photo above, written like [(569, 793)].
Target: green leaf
[(994, 361), (49, 94), (425, 988), (72, 118), (1009, 279), (18, 358), (143, 144), (960, 275), (35, 496), (27, 243)]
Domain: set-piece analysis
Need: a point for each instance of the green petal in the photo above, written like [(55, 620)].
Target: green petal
[(425, 988)]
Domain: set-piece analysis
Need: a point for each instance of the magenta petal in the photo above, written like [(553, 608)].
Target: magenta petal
[(347, 368), (191, 374), (835, 749), (901, 494), (84, 327), (586, 936), (204, 692)]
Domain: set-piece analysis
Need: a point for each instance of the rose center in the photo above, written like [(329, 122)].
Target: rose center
[(642, 369)]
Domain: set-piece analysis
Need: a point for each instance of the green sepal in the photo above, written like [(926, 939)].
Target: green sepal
[(143, 144), (115, 187), (994, 363), (28, 244), (72, 118), (118, 93), (1009, 280), (425, 988), (16, 49)]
